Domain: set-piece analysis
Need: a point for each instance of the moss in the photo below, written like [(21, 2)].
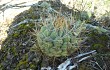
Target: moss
[(97, 46), (98, 40), (24, 26), (14, 51), (16, 35), (1, 67), (84, 66), (20, 64), (32, 66)]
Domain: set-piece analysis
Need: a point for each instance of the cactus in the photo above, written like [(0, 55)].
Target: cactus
[(56, 41)]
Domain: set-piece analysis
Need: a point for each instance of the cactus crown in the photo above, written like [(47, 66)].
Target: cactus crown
[(60, 22), (56, 38)]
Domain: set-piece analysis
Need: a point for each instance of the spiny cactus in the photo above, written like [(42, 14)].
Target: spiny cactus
[(57, 39)]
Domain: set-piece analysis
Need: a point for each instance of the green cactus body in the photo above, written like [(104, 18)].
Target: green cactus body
[(58, 41), (53, 34), (43, 29), (60, 33), (55, 42), (46, 33), (67, 38)]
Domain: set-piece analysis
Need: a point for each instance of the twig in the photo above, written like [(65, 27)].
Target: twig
[(88, 53), (24, 22), (64, 65)]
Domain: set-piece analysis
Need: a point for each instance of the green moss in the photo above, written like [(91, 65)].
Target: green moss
[(14, 51), (23, 62), (24, 26), (97, 46), (20, 64), (84, 66), (1, 67), (16, 34), (32, 66)]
